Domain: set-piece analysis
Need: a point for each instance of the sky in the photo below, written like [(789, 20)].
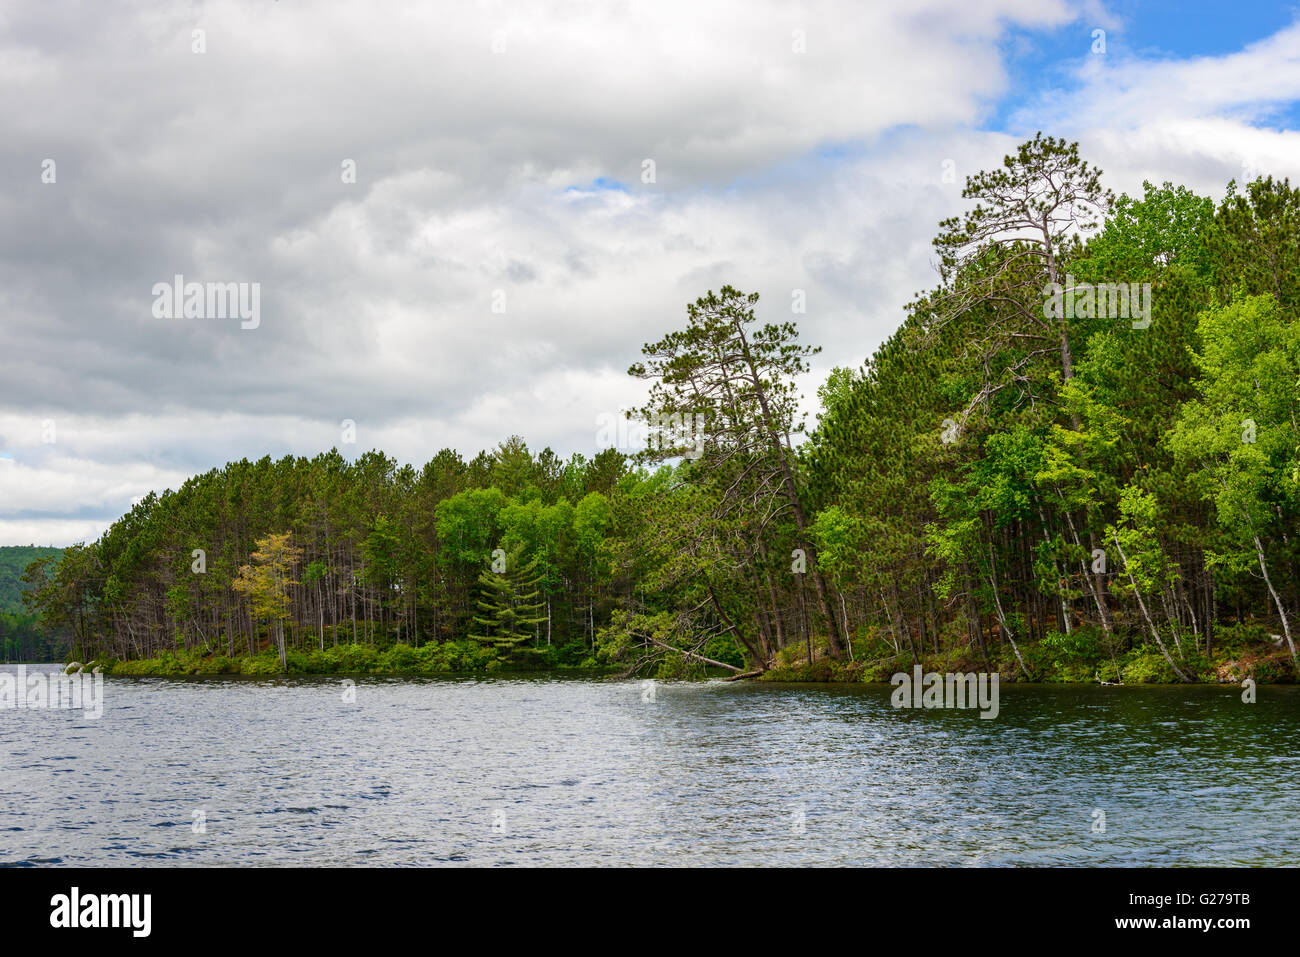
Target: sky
[(461, 221)]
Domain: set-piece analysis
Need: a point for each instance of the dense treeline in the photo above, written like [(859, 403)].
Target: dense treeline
[(1076, 485), (24, 638), (21, 636), (14, 560), (379, 554), (1078, 457)]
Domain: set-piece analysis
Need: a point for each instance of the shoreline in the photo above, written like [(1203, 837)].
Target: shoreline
[(257, 668)]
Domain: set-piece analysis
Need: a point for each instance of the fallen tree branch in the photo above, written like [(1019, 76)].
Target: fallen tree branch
[(692, 654)]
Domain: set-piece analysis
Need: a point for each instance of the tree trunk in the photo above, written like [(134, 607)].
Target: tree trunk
[(1145, 614), (792, 496), (1286, 625)]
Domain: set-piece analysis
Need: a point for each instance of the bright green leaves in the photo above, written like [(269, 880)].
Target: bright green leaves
[(1168, 226), (1240, 437), (467, 525)]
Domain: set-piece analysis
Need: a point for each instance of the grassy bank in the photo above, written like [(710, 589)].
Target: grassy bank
[(1084, 656), (1239, 652), (452, 657)]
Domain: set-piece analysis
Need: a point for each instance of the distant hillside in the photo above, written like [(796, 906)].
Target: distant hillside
[(13, 560)]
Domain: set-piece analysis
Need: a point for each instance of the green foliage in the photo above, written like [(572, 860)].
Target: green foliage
[(675, 666), (14, 560), (510, 603), (23, 638), (723, 648), (432, 659), (1231, 639), (1168, 226), (1001, 485), (1076, 656), (1148, 667)]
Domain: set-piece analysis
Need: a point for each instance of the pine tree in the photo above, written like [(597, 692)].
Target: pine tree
[(510, 602)]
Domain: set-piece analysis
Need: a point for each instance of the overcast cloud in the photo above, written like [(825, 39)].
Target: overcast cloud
[(499, 151)]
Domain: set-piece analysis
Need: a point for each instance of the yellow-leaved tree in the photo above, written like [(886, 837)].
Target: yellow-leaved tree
[(266, 583)]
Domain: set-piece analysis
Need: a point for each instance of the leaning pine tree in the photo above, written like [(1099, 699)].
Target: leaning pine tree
[(731, 382)]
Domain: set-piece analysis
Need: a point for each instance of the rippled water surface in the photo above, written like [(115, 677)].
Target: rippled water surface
[(532, 771)]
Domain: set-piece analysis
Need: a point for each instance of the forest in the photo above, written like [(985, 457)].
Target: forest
[(1076, 459), (22, 637)]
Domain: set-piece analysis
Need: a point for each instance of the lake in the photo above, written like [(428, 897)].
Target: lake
[(546, 770)]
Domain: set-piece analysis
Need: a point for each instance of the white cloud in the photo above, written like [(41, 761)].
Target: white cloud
[(49, 531), (776, 171)]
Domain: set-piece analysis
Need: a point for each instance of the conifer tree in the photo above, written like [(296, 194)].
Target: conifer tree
[(510, 602)]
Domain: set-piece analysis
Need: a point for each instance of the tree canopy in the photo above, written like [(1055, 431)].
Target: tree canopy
[(1078, 455)]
